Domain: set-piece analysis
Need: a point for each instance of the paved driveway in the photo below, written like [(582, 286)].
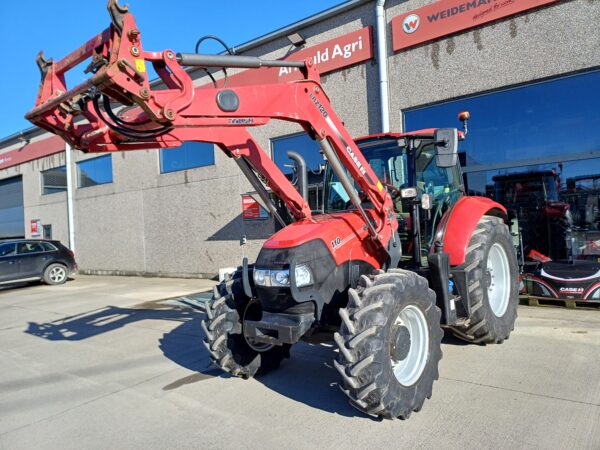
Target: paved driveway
[(107, 362)]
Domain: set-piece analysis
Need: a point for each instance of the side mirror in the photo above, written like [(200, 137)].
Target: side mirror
[(446, 147)]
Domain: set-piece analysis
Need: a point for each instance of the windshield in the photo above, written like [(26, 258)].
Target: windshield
[(389, 161)]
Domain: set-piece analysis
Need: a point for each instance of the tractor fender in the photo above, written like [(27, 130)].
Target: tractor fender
[(459, 222)]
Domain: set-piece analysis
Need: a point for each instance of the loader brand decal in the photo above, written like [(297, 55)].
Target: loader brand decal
[(356, 161), (329, 56), (242, 121), (445, 17), (353, 156)]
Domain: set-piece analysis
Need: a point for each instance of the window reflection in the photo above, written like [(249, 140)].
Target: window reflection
[(54, 180), (311, 152), (558, 205), (553, 118), (93, 172), (188, 156), (531, 148)]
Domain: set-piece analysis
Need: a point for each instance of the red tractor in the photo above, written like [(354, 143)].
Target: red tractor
[(399, 253)]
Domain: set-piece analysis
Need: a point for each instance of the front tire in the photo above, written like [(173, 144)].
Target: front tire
[(225, 341), (389, 344), (493, 284)]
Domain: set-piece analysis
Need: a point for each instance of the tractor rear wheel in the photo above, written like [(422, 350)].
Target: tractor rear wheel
[(224, 338), (389, 344), (493, 284)]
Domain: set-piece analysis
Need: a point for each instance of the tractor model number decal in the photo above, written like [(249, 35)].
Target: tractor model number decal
[(321, 108), (336, 242)]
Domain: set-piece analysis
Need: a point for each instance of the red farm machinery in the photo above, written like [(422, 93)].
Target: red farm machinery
[(398, 254)]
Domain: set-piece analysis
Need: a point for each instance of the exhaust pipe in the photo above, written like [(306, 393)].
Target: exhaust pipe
[(302, 173)]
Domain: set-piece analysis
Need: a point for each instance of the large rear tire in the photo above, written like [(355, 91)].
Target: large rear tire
[(225, 341), (493, 284), (389, 344)]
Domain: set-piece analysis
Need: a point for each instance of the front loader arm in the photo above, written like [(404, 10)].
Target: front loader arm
[(164, 118)]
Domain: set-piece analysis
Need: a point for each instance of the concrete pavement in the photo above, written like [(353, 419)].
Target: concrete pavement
[(106, 362)]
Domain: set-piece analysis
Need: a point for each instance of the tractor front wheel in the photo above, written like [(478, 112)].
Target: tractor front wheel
[(493, 284), (229, 348), (389, 344)]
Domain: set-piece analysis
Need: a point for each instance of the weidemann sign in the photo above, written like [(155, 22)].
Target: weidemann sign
[(445, 17)]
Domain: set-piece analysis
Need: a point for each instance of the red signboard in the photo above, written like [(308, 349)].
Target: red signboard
[(29, 152), (251, 209), (449, 16), (331, 55), (36, 226)]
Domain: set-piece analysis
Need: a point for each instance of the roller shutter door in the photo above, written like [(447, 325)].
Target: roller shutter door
[(12, 220)]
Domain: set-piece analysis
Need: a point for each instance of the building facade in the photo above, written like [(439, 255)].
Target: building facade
[(528, 71)]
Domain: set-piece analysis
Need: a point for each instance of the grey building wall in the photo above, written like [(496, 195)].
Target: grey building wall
[(189, 223)]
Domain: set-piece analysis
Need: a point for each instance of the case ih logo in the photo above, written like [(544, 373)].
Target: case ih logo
[(411, 24)]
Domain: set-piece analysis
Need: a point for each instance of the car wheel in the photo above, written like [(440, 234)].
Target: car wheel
[(55, 274)]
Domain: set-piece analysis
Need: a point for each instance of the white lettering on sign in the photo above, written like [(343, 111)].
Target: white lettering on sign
[(572, 290), (338, 51)]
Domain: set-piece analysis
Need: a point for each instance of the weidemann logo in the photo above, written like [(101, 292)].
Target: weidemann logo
[(411, 23), (463, 7)]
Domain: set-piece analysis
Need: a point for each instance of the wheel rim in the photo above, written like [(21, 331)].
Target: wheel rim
[(409, 365), (57, 274), (499, 280), (253, 312)]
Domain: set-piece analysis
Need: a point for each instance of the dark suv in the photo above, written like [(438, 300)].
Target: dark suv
[(34, 259)]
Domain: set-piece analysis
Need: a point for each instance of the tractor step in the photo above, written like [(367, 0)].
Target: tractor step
[(569, 303)]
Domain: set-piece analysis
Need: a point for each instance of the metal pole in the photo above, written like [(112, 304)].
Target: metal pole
[(382, 60), (70, 220)]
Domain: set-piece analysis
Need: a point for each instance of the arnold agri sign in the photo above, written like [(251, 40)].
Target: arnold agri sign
[(450, 16)]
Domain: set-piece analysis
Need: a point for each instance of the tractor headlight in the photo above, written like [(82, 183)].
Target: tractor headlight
[(266, 277), (303, 275), (280, 278), (262, 277)]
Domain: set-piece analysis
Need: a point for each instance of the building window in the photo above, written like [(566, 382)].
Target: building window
[(536, 150), (93, 172), (300, 143), (54, 180), (188, 156), (311, 152), (539, 122)]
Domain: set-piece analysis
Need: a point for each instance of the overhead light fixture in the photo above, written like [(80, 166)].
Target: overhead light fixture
[(23, 138), (296, 39)]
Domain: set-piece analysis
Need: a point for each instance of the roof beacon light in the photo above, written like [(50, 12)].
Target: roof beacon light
[(464, 117)]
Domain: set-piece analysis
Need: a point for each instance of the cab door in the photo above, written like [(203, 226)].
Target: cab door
[(9, 262)]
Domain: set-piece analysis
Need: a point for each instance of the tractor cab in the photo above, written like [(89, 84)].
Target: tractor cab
[(422, 181)]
